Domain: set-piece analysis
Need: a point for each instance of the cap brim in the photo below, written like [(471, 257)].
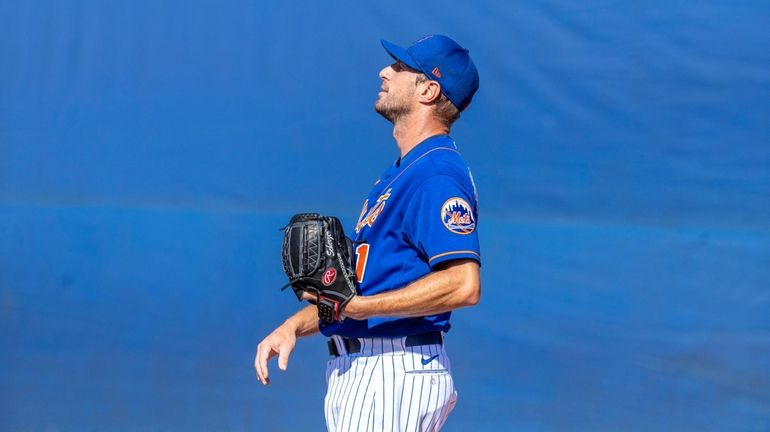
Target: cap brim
[(400, 54)]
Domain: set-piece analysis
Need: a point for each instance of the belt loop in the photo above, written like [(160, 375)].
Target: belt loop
[(341, 348)]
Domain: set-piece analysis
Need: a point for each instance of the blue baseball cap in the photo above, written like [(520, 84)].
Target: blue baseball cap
[(442, 60)]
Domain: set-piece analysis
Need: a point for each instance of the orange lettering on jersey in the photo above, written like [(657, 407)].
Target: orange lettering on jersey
[(375, 211), (384, 196), (363, 211)]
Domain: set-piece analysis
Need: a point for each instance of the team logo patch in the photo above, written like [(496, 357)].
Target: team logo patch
[(457, 216), (330, 275)]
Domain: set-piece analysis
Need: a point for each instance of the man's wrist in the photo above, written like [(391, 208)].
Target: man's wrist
[(356, 308), (302, 322), (291, 326)]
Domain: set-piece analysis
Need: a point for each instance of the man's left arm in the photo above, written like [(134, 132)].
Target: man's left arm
[(454, 284)]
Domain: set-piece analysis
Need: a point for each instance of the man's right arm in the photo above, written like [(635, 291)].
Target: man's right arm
[(282, 340)]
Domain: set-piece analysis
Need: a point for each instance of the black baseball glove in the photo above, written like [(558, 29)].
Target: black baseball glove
[(317, 258)]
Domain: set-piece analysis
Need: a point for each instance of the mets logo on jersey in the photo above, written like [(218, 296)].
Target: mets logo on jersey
[(457, 216), (373, 213)]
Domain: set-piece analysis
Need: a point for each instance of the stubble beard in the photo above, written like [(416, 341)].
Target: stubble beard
[(392, 110)]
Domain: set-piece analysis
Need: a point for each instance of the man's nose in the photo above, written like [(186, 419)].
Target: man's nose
[(385, 72)]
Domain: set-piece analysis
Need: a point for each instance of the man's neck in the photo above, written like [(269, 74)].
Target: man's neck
[(412, 130)]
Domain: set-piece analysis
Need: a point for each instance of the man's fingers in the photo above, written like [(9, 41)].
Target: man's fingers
[(283, 357), (312, 298), (263, 352), (257, 366), (278, 343), (264, 355)]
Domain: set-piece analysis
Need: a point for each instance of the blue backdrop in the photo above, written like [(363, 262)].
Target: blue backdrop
[(149, 152)]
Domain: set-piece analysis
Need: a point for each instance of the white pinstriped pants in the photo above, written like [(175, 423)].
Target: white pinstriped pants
[(388, 387)]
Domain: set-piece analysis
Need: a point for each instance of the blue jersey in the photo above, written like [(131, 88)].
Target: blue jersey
[(421, 212)]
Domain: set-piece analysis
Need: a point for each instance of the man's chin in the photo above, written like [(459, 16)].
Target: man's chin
[(380, 103), (384, 111)]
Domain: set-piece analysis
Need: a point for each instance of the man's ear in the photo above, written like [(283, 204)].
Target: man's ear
[(431, 90)]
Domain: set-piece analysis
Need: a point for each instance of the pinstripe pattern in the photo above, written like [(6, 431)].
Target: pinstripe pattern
[(386, 387)]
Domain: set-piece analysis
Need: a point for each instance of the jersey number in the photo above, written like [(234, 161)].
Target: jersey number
[(362, 254)]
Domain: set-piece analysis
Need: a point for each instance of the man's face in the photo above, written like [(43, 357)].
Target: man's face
[(397, 97)]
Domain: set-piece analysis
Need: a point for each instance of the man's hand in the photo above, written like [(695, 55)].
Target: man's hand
[(280, 342)]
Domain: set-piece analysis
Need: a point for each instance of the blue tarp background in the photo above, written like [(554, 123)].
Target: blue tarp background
[(149, 152)]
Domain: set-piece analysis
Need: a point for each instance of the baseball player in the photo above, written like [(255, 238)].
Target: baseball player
[(416, 258)]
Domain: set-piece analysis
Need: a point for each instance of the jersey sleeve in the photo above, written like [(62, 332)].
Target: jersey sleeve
[(441, 220)]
